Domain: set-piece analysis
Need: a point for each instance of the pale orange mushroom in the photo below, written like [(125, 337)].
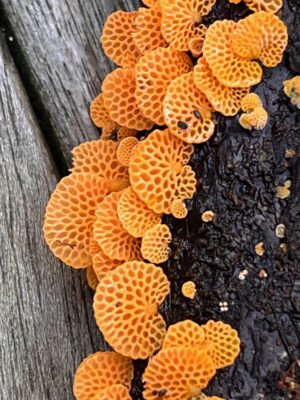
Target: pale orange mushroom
[(154, 71), (177, 373), (126, 308), (178, 209), (270, 6), (256, 119), (109, 233), (250, 102), (187, 112), (126, 149), (70, 215), (98, 112), (99, 371), (184, 334), (155, 244), (114, 392), (189, 290), (91, 278), (291, 88), (102, 264)]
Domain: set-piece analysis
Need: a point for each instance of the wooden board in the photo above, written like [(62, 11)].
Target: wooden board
[(47, 326)]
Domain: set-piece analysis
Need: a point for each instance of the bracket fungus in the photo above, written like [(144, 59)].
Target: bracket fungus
[(69, 217), (126, 308), (114, 392), (187, 112), (126, 149), (184, 334), (102, 264), (100, 371), (155, 244), (292, 90), (178, 209)]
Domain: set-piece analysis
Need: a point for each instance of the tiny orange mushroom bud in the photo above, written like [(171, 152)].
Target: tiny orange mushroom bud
[(154, 71), (292, 90), (91, 277), (114, 392), (109, 233), (178, 209), (177, 373), (98, 112), (257, 119), (99, 371), (126, 308), (155, 244), (250, 102), (125, 150), (184, 334), (74, 199), (187, 112), (103, 264), (189, 289), (196, 43)]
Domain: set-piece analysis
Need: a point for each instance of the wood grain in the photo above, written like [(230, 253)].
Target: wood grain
[(47, 326)]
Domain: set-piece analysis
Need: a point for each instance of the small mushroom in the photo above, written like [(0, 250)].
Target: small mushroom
[(256, 119), (155, 244), (196, 42), (98, 112), (188, 289), (126, 150), (250, 102), (178, 209), (292, 90)]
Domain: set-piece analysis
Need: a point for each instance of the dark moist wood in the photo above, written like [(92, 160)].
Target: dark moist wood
[(47, 326)]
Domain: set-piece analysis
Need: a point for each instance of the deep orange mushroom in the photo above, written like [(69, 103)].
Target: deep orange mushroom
[(155, 244)]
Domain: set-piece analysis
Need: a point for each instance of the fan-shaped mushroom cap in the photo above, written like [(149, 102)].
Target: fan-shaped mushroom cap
[(188, 114), (158, 171), (177, 373), (103, 264), (99, 371), (109, 233), (178, 209), (117, 40), (98, 112), (91, 277), (225, 340), (125, 149), (188, 289), (147, 31), (181, 20), (70, 214), (223, 99), (134, 214), (257, 119), (155, 244), (118, 90), (196, 42), (99, 157), (229, 69), (292, 90), (185, 334), (154, 71), (114, 392), (126, 308), (250, 102), (270, 6)]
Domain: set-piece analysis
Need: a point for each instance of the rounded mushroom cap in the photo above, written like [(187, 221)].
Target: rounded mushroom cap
[(103, 264), (117, 40), (99, 157), (98, 112), (250, 102), (225, 340), (126, 308), (225, 100), (178, 209), (270, 6), (125, 149), (70, 215), (292, 90), (196, 42), (118, 91), (189, 289), (99, 371), (154, 71), (185, 334), (109, 233), (155, 244), (114, 392), (91, 277), (134, 214), (177, 373), (181, 20), (257, 119), (158, 171), (188, 114), (230, 69)]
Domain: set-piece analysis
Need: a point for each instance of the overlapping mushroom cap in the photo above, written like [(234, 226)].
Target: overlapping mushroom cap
[(102, 264), (158, 171), (111, 130), (99, 371), (292, 90), (223, 99), (196, 42), (185, 334), (177, 373), (250, 102), (114, 392), (126, 308), (126, 149), (69, 217), (187, 112), (154, 71), (98, 112), (109, 233), (155, 244)]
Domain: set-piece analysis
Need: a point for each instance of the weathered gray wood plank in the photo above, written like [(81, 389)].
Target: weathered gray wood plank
[(62, 58), (47, 325)]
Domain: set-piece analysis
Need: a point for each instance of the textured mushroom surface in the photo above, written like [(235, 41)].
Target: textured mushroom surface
[(230, 69), (109, 233), (256, 119), (125, 149), (155, 244), (196, 43), (250, 102), (99, 371), (102, 264), (126, 308), (118, 90), (70, 214), (223, 99), (189, 290), (177, 373), (154, 71), (178, 209), (291, 88), (98, 112), (99, 157), (114, 392), (187, 112), (91, 277), (158, 171), (134, 214), (185, 334), (117, 40), (270, 6)]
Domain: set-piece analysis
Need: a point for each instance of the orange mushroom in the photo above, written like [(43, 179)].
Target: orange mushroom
[(189, 289), (100, 158), (117, 40), (109, 233), (177, 373), (69, 217), (178, 209), (270, 6), (158, 171), (126, 308), (118, 91), (99, 371), (98, 112), (184, 334), (187, 112), (154, 71), (134, 214), (292, 90), (91, 277), (223, 99), (257, 119), (103, 264), (113, 131), (114, 392), (196, 42), (250, 102), (125, 150), (181, 20), (155, 244)]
